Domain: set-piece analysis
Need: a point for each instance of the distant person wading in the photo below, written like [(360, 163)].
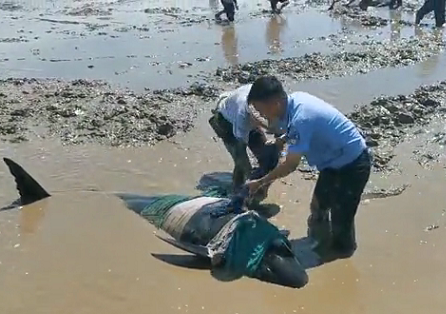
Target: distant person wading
[(438, 6), (229, 7)]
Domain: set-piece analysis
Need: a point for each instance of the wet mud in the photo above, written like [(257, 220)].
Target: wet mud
[(373, 55), (84, 111), (364, 18), (387, 121)]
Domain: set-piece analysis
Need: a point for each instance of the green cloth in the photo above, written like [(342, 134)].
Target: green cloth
[(158, 207), (243, 243)]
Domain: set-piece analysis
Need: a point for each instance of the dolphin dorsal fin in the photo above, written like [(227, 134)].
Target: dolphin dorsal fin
[(30, 191)]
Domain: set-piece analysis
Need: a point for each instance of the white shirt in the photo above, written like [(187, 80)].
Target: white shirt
[(235, 109)]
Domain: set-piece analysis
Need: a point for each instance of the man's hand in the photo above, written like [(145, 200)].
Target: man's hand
[(279, 142), (236, 7), (253, 186), (271, 142), (284, 168)]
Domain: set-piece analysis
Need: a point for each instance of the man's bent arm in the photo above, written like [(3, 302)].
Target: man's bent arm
[(289, 165)]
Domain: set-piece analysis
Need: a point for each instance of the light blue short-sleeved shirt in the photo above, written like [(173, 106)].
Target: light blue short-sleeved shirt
[(320, 132)]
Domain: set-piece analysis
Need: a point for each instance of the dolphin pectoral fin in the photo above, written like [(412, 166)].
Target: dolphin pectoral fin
[(185, 261), (30, 191), (188, 247)]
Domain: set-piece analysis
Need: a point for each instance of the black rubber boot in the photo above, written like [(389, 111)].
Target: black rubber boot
[(418, 18), (319, 229), (343, 241)]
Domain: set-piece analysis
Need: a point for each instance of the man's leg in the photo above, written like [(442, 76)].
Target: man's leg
[(256, 144), (439, 12), (267, 157), (351, 181), (427, 7), (283, 5), (274, 5), (218, 14), (318, 221), (242, 165), (229, 9), (364, 4), (237, 149)]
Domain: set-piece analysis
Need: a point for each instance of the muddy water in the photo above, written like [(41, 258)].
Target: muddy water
[(122, 54), (131, 42), (386, 81)]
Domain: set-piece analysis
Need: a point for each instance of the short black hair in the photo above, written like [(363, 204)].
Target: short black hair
[(265, 88)]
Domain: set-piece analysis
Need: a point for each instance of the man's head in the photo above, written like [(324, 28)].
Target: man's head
[(268, 97)]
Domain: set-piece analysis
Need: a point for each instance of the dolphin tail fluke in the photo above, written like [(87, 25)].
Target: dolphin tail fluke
[(30, 191)]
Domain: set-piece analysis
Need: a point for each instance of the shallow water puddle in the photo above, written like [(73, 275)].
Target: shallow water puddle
[(388, 81), (128, 48)]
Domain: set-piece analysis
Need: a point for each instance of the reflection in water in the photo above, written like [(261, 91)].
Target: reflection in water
[(273, 29), (229, 44), (349, 24), (428, 66), (395, 25), (31, 216)]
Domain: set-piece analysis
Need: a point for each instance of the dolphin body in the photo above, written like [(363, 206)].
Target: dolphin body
[(191, 226)]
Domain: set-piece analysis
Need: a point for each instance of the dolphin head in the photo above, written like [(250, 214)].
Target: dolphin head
[(281, 266)]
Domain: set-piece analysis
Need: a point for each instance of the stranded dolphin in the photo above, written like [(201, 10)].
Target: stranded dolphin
[(239, 244)]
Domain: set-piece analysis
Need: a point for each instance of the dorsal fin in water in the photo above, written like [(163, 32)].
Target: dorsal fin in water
[(30, 191)]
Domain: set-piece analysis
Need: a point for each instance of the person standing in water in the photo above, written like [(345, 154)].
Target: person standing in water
[(438, 6), (330, 142), (274, 3), (229, 7)]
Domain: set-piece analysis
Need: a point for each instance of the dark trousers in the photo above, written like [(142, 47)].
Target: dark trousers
[(267, 156), (229, 9), (274, 4), (338, 191), (438, 6), (395, 3)]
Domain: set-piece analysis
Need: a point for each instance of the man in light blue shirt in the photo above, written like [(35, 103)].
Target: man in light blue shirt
[(330, 142)]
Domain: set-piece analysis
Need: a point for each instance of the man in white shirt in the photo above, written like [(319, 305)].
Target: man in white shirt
[(236, 125)]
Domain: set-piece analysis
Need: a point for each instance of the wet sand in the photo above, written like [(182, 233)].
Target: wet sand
[(81, 251)]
